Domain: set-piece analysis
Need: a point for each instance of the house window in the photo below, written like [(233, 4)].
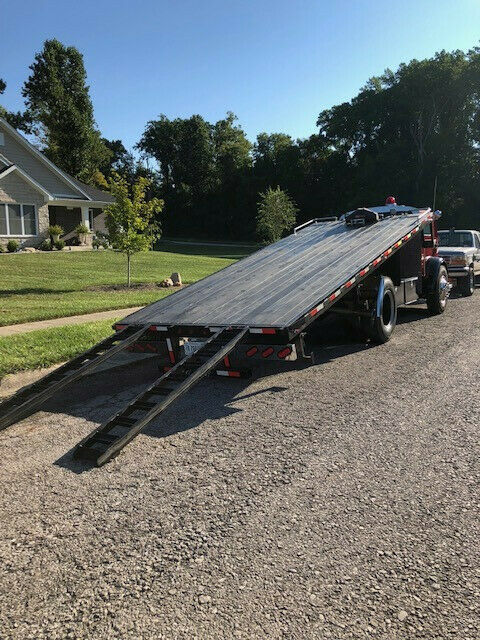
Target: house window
[(18, 220)]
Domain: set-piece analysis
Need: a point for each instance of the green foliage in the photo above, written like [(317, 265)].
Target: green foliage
[(12, 246), (46, 245), (130, 221), (58, 102), (101, 240), (276, 214), (82, 229), (203, 170), (2, 248), (64, 283), (231, 147), (59, 245), (55, 230), (45, 347), (407, 127)]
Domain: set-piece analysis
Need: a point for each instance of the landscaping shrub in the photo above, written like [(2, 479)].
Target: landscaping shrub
[(2, 248), (46, 245), (12, 246), (81, 229), (55, 230), (59, 245), (101, 240)]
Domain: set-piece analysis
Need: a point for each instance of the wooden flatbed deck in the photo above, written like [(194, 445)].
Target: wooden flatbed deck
[(278, 284)]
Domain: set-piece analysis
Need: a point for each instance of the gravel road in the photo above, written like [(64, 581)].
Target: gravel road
[(334, 501)]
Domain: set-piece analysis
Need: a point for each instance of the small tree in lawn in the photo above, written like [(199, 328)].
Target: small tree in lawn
[(130, 220), (276, 214)]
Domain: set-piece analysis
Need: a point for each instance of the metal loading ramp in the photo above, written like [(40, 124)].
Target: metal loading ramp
[(112, 436), (27, 400), (277, 285)]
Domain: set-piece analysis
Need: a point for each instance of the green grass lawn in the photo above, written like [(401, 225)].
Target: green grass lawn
[(45, 285), (42, 348)]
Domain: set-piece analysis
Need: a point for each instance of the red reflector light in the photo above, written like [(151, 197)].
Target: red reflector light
[(268, 330), (252, 351), (119, 327), (267, 352), (283, 353)]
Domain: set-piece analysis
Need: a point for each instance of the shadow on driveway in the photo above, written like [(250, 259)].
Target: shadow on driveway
[(98, 397)]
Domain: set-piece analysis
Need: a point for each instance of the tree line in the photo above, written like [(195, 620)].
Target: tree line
[(403, 131)]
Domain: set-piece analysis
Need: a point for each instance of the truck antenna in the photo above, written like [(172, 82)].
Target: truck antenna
[(434, 193)]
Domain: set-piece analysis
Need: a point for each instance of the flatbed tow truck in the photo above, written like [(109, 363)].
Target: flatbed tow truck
[(259, 309)]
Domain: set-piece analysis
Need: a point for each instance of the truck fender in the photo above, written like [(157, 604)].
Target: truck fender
[(432, 268)]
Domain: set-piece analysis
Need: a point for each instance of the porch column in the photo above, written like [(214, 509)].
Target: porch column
[(85, 217)]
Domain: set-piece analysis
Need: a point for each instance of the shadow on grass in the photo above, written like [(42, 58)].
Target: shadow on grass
[(34, 291), (208, 251)]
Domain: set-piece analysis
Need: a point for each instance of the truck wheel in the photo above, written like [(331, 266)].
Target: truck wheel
[(384, 323), (437, 299), (468, 284)]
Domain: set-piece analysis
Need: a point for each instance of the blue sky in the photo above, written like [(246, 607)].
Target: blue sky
[(275, 63)]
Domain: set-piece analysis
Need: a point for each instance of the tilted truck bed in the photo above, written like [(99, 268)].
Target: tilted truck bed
[(279, 284), (277, 290)]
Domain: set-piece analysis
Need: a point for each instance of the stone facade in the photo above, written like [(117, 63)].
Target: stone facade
[(15, 190)]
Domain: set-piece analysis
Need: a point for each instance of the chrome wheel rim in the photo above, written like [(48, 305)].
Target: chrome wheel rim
[(443, 289)]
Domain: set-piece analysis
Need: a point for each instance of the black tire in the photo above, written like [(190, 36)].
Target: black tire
[(437, 299), (382, 325), (467, 286)]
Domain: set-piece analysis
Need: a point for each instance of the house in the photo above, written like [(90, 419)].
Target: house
[(34, 193)]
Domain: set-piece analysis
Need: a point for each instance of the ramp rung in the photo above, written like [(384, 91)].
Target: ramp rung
[(160, 391), (185, 372), (103, 438), (124, 421), (142, 406)]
